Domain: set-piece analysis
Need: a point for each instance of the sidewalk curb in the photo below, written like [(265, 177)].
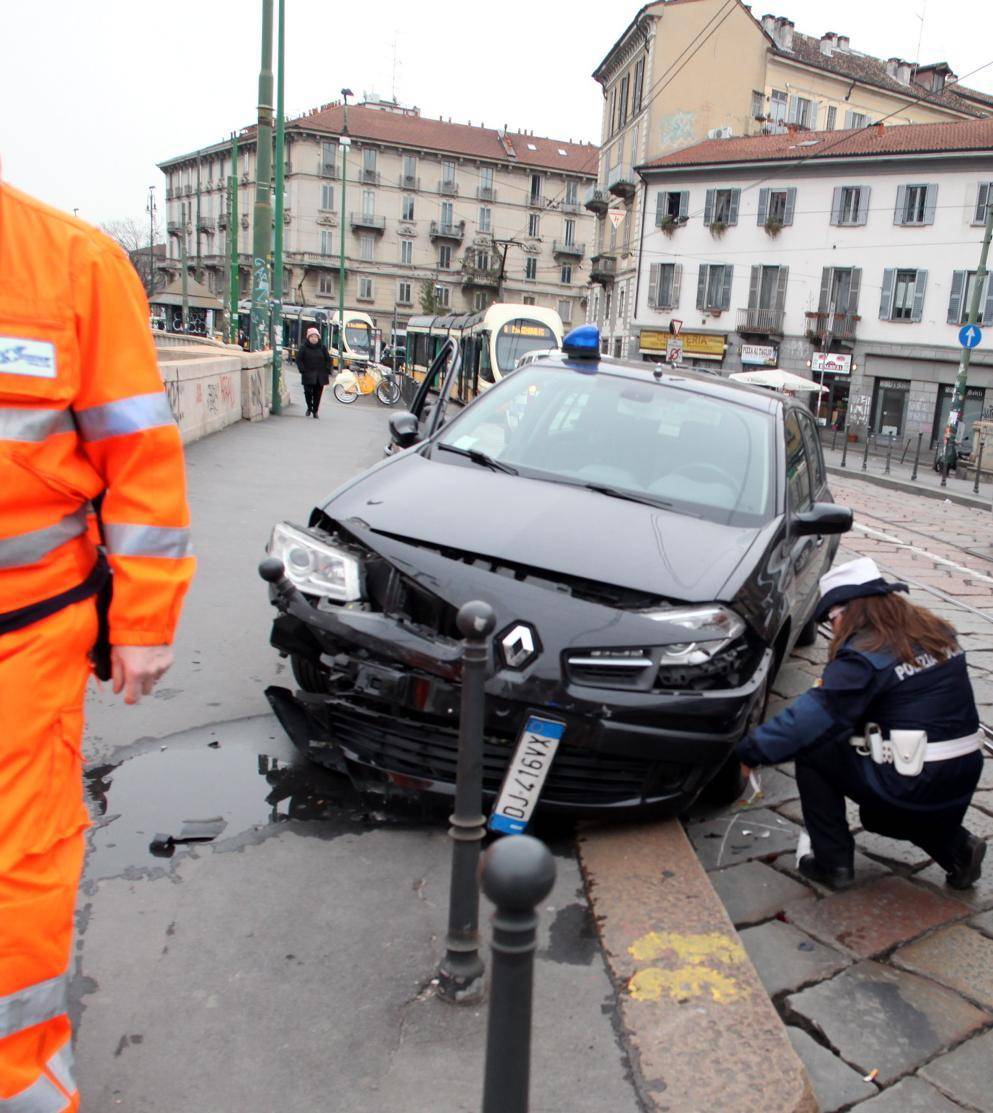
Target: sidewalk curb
[(698, 1025), (975, 501)]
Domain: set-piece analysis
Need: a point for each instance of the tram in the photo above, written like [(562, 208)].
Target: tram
[(297, 319)]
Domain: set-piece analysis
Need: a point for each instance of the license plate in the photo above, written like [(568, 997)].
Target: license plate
[(526, 775)]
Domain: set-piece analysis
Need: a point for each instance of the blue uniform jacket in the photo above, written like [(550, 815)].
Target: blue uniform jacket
[(861, 687)]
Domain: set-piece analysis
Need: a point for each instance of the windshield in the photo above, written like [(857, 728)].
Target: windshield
[(358, 337), (655, 441), (519, 336)]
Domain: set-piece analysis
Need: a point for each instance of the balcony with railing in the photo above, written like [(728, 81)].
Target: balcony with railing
[(568, 250), (485, 277), (837, 326), (450, 230), (603, 267), (448, 188), (410, 181), (486, 193), (366, 222), (327, 170), (762, 322), (369, 177), (596, 199), (537, 201), (205, 224), (314, 259), (621, 181), (569, 206)]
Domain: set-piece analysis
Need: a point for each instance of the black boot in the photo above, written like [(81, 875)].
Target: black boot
[(837, 878), (968, 864)]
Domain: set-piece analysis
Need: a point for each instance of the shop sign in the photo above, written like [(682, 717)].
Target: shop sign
[(831, 362), (893, 384), (702, 345), (760, 355)]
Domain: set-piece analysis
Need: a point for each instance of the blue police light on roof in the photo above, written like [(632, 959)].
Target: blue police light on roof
[(582, 343)]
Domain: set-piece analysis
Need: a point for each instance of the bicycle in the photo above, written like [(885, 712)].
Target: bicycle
[(380, 381)]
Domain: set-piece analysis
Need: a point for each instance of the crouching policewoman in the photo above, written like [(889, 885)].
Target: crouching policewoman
[(892, 725)]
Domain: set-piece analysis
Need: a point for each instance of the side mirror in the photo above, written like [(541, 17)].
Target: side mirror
[(821, 518), (403, 429)]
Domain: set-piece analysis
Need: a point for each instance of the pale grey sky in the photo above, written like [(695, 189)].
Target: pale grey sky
[(95, 92)]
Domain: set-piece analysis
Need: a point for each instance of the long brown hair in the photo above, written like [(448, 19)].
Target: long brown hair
[(894, 623)]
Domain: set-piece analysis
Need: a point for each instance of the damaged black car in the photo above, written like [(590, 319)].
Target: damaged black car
[(650, 539)]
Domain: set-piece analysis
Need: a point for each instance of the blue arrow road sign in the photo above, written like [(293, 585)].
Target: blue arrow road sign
[(970, 336)]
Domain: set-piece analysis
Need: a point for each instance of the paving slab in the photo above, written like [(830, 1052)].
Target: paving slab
[(867, 870), (978, 898), (787, 959), (957, 956), (979, 823), (701, 1031), (742, 837), (794, 812), (871, 919), (983, 923), (964, 1074), (909, 1095), (834, 1083), (881, 1018), (892, 850), (753, 892), (774, 788), (793, 680)]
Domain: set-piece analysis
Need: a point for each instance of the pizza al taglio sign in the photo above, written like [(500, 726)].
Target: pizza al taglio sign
[(759, 355)]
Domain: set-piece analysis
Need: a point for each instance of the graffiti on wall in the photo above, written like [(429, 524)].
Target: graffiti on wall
[(174, 392), (859, 406)]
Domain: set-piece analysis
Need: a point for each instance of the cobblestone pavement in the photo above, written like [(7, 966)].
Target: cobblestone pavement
[(886, 989)]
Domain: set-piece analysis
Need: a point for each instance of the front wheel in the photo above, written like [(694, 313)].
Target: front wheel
[(388, 392), (808, 635), (344, 395)]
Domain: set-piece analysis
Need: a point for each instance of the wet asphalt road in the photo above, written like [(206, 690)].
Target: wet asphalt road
[(286, 965)]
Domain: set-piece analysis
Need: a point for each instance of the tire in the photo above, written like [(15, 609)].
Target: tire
[(344, 396), (388, 392), (726, 785), (310, 676), (808, 635)]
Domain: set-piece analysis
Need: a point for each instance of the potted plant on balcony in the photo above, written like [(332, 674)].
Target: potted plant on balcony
[(773, 226), (669, 223), (718, 228)]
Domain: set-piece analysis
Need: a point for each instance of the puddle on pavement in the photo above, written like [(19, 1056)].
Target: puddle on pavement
[(158, 789)]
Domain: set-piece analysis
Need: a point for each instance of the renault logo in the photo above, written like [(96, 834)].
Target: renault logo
[(519, 646)]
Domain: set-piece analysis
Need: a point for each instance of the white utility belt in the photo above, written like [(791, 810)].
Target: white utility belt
[(907, 750)]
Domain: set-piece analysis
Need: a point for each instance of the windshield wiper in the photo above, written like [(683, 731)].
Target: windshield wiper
[(629, 496), (478, 457)]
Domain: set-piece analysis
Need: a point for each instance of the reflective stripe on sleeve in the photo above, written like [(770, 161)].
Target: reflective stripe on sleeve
[(127, 415), (32, 1005), (33, 425), (42, 1096), (147, 541), (31, 547), (61, 1067)]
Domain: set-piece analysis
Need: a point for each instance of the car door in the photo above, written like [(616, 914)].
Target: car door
[(818, 485), (805, 553)]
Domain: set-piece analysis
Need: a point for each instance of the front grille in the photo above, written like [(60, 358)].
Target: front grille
[(429, 751), (606, 671)]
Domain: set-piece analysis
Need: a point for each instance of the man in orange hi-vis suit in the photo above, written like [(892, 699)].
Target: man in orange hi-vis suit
[(82, 415)]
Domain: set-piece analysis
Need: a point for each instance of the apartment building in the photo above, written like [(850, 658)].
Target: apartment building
[(476, 214), (684, 70), (847, 257)]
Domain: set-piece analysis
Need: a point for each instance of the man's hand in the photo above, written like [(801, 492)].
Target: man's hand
[(136, 669)]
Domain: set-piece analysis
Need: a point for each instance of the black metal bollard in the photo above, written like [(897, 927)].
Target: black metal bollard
[(460, 976), (889, 452), (917, 457), (906, 447), (865, 453), (979, 467), (844, 447), (944, 462), (518, 873), (834, 437)]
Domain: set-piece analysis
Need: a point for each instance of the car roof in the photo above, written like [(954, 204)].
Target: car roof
[(699, 382)]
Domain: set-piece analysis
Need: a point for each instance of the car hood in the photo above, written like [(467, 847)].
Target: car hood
[(548, 526)]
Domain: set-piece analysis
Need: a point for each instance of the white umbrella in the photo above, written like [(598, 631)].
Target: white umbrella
[(776, 379)]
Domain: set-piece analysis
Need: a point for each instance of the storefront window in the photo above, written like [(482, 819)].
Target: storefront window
[(890, 406), (972, 411)]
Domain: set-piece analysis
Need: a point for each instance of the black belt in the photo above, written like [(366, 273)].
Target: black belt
[(35, 612)]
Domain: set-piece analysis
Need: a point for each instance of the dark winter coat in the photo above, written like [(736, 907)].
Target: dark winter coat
[(314, 362)]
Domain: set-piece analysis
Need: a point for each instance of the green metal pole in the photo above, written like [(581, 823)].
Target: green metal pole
[(277, 246), (184, 277), (344, 143), (233, 274), (262, 216), (961, 381)]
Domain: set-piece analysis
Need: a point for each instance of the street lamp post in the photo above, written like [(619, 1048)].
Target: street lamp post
[(151, 240), (233, 272), (276, 316), (262, 216), (344, 142)]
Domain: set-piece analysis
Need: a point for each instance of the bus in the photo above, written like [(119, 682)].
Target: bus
[(490, 341)]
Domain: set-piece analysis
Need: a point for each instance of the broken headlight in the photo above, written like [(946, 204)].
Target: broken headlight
[(709, 629), (314, 565)]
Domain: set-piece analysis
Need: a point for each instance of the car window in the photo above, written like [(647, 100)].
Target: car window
[(815, 458), (667, 443), (797, 465)]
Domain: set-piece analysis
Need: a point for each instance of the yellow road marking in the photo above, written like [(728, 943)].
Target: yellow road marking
[(695, 975)]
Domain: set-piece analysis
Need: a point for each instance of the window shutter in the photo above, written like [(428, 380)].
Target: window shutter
[(659, 208), (753, 287), (790, 205), (794, 108), (654, 273), (849, 119), (930, 203), (822, 305), (886, 300), (708, 209), (981, 202), (763, 206), (726, 288), (677, 284), (863, 214), (901, 202), (955, 300), (684, 204), (836, 204), (783, 277), (853, 293), (735, 199), (701, 287), (988, 310), (917, 313)]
